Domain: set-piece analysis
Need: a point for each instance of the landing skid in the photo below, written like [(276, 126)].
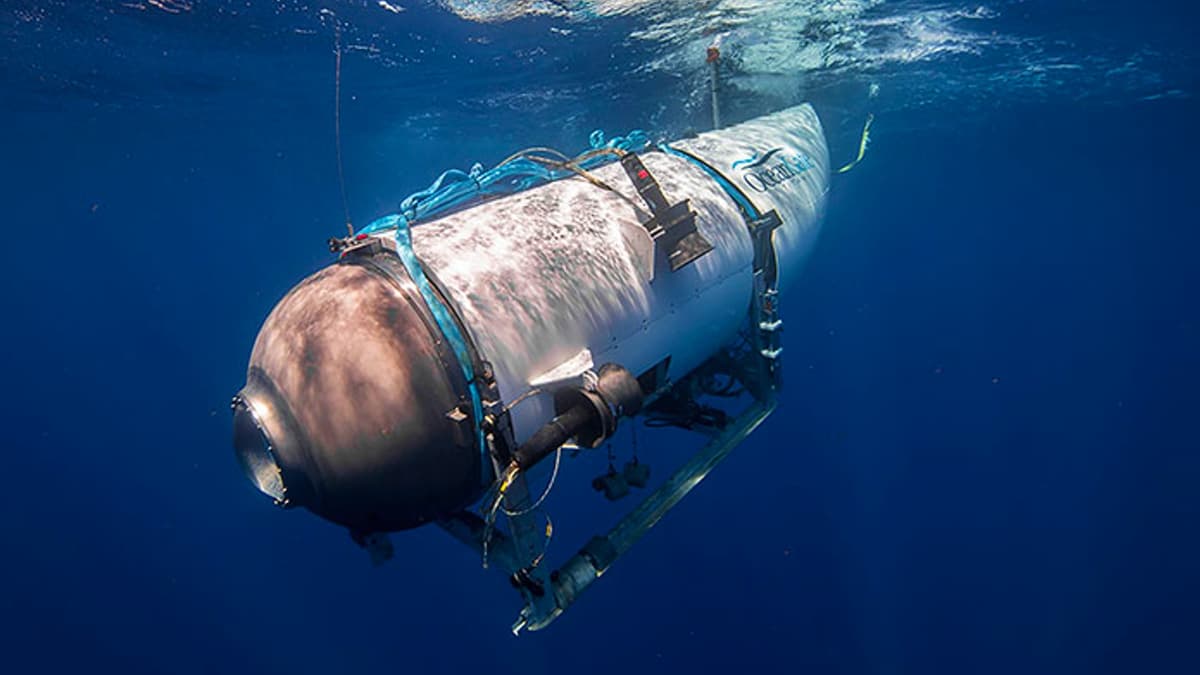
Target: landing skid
[(548, 594)]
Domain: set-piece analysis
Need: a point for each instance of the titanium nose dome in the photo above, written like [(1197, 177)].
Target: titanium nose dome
[(350, 404)]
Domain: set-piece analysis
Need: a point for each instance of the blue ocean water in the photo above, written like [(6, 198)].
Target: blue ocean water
[(985, 459)]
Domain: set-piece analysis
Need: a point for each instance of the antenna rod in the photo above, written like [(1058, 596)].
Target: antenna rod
[(713, 59), (337, 119)]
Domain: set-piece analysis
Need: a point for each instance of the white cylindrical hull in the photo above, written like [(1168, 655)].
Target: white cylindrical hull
[(540, 276)]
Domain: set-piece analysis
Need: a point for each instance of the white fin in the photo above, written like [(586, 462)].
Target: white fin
[(640, 245), (570, 369)]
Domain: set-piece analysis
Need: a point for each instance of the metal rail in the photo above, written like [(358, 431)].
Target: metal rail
[(591, 562)]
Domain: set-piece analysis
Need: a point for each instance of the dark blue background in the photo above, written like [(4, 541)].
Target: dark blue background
[(985, 461)]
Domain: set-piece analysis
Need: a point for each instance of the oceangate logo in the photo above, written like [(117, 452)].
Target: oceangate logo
[(754, 160), (762, 172)]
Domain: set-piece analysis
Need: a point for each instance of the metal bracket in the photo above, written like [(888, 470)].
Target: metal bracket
[(765, 321), (672, 225)]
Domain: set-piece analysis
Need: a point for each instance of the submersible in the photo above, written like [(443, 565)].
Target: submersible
[(448, 350)]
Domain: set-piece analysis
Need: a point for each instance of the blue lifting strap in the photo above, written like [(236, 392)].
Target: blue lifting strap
[(446, 322)]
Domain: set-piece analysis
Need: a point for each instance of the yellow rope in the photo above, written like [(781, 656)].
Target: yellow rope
[(862, 145)]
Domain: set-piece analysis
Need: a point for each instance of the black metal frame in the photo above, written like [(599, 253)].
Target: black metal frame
[(547, 594)]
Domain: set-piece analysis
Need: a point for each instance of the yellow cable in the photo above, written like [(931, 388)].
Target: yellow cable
[(862, 145)]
